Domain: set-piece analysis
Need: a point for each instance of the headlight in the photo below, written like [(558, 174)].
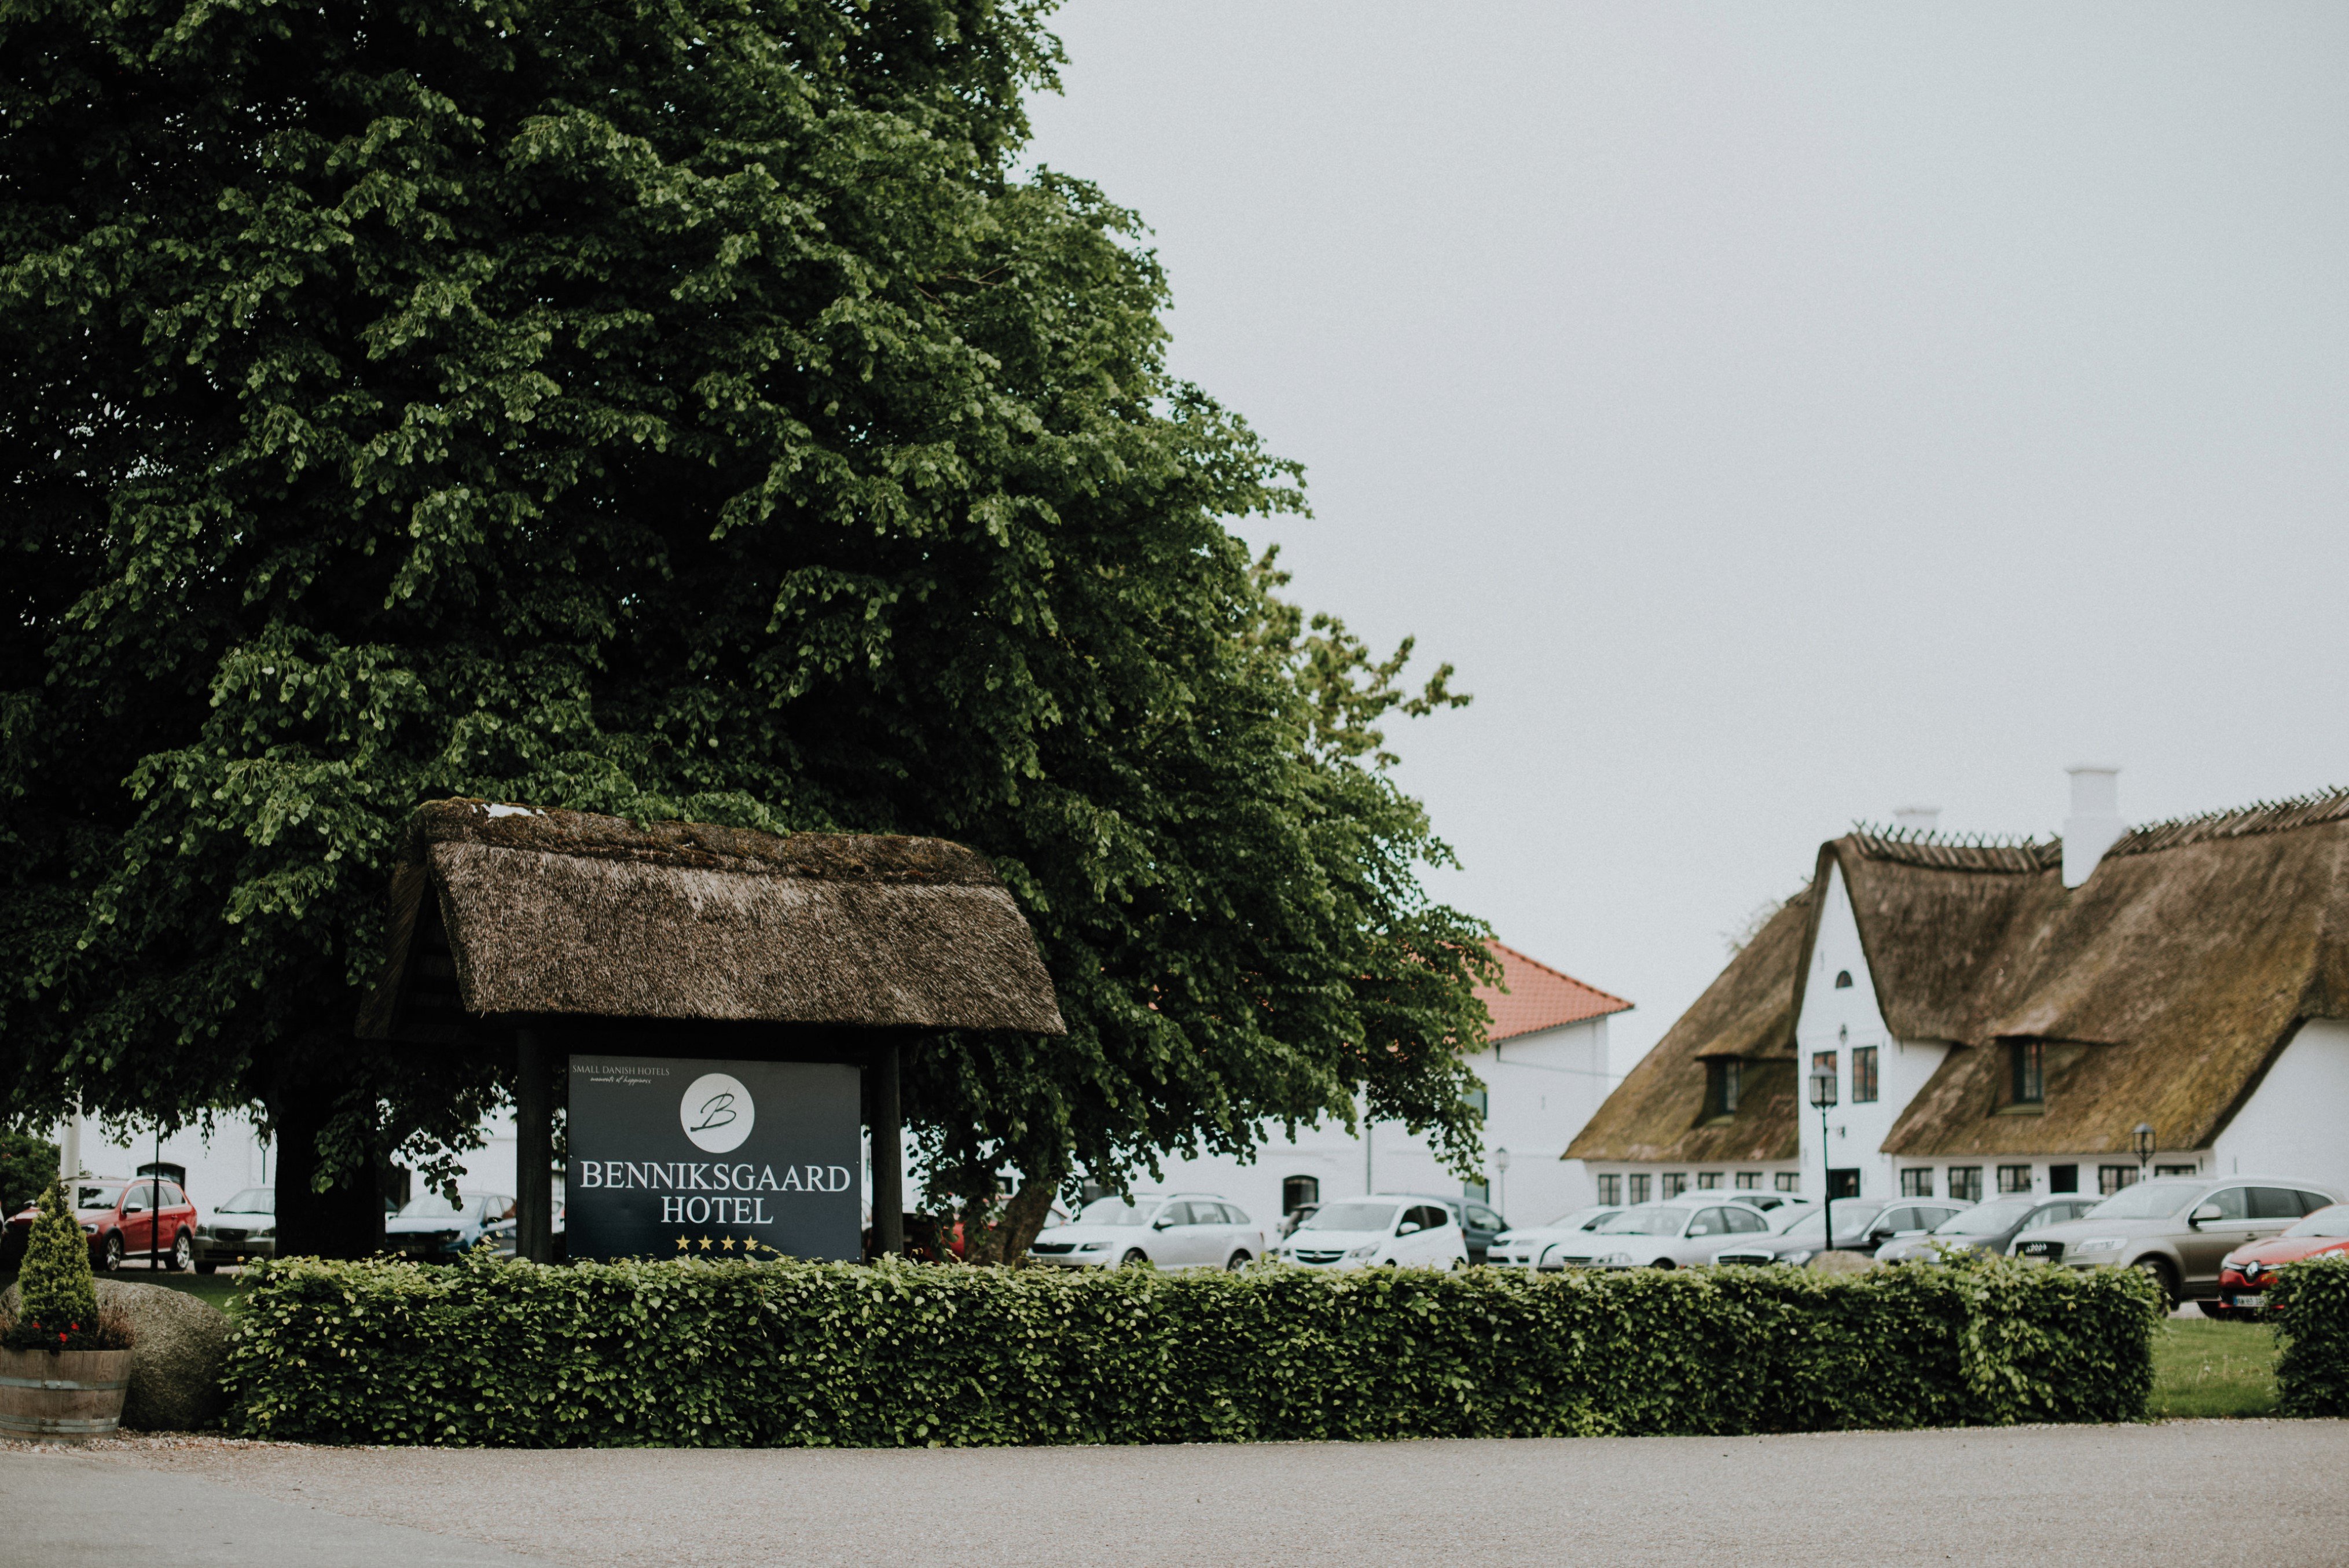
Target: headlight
[(1365, 1249), (1616, 1260), (2100, 1245), (1094, 1247), (265, 1233), (1801, 1257)]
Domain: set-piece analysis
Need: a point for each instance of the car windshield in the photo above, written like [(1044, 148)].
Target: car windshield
[(2332, 1221), (251, 1201), (2146, 1200), (1985, 1219), (1852, 1214), (433, 1206), (1650, 1220), (98, 1194), (1575, 1219), (1356, 1216), (1116, 1211)]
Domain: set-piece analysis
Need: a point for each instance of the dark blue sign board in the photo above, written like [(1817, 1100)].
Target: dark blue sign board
[(671, 1156)]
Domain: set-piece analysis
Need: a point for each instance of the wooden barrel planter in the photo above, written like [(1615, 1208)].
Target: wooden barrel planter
[(62, 1396)]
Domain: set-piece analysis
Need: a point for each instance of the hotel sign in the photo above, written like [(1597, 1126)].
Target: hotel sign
[(672, 1156)]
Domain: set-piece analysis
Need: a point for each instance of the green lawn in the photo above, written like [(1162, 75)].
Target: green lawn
[(2205, 1368), (220, 1289)]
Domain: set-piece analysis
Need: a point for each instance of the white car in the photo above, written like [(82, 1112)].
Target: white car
[(1171, 1230), (1384, 1228), (1671, 1232), (1531, 1247)]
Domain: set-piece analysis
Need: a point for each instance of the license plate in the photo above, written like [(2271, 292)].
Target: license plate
[(2250, 1301)]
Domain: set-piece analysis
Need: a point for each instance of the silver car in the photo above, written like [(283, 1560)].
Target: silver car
[(1673, 1232), (2177, 1228), (1175, 1230), (1531, 1247)]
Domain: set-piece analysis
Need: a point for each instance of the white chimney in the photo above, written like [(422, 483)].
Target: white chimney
[(1917, 818), (2094, 824)]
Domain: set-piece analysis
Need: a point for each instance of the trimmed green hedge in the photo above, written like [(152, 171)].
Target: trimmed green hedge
[(2313, 1371), (693, 1353)]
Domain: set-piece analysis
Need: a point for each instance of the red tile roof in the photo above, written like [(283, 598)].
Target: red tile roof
[(1540, 997)]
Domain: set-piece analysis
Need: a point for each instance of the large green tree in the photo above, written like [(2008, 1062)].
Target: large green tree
[(683, 409)]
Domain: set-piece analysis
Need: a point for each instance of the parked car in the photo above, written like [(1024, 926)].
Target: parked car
[(240, 1229), (1530, 1248), (1671, 1232), (2177, 1228), (430, 1228), (2245, 1274), (119, 1217), (1861, 1225), (1479, 1224), (1383, 1229), (1175, 1230), (503, 1232), (1986, 1228), (1291, 1219)]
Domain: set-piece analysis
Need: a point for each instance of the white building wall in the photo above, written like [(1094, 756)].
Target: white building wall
[(2296, 1123), (233, 1156), (1845, 1020), (1540, 1089)]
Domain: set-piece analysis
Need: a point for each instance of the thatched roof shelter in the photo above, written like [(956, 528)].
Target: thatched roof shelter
[(2163, 988), (511, 911)]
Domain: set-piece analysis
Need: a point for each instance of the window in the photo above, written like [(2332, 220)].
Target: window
[(1481, 1099), (2177, 1170), (2063, 1178), (2028, 1062), (1843, 979), (1610, 1189), (1476, 1190), (2015, 1178), (1744, 1220), (1675, 1183), (1722, 1077), (1747, 1180), (1790, 1181), (1639, 1188), (1863, 1074), (2111, 1178), (2233, 1202), (1917, 1182), (1175, 1213), (1844, 1183), (1708, 1180), (1427, 1217), (1710, 1222), (1965, 1183), (2274, 1203), (1822, 1062), (1297, 1191), (1483, 1219)]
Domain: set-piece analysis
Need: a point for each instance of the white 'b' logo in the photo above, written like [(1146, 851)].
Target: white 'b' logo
[(717, 1112)]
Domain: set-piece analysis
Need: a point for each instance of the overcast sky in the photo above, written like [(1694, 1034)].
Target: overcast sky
[(1780, 414)]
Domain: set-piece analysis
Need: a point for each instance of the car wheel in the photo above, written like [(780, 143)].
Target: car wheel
[(114, 1251), (1666, 1264), (1236, 1262), (183, 1254), (1136, 1258), (2158, 1272)]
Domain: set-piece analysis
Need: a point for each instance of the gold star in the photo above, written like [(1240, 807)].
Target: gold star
[(727, 1244), (705, 1244), (681, 1244)]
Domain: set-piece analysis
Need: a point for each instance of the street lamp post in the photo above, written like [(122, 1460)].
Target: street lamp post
[(2143, 1147), (1823, 1096), (1501, 1186)]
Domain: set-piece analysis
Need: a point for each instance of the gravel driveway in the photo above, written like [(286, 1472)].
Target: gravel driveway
[(2212, 1492)]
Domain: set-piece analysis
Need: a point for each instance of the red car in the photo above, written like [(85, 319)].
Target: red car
[(2245, 1273), (119, 1217)]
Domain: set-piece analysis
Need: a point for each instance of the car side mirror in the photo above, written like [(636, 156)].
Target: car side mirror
[(1161, 1224), (2203, 1213), (1408, 1227), (1699, 1230), (1879, 1237)]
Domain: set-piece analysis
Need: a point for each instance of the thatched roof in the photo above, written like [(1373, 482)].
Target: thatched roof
[(1657, 1112), (506, 910), (2163, 986)]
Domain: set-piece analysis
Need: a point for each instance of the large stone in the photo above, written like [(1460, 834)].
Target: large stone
[(1826, 1263), (178, 1346)]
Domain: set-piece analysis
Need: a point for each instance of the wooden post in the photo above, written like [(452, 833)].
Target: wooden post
[(534, 1148), (888, 1155)]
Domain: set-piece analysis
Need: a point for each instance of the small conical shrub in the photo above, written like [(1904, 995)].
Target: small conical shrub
[(57, 1308)]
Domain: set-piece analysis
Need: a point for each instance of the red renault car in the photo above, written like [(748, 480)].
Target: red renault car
[(120, 1219), (2245, 1274)]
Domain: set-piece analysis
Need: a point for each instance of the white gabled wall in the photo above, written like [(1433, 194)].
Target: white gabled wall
[(1844, 1020), (2296, 1123)]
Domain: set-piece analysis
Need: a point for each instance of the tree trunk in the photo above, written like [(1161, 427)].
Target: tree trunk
[(1023, 1219), (346, 1219)]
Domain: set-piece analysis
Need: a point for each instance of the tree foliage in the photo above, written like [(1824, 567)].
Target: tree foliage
[(683, 410)]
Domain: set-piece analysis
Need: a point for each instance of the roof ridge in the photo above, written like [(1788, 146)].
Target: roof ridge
[(2312, 809), (1622, 1004), (2014, 854)]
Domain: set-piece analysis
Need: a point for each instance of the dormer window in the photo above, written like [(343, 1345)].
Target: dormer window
[(1843, 979), (2027, 1064), (1723, 1077)]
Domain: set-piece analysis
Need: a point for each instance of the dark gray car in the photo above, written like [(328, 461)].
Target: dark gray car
[(244, 1228), (1985, 1228)]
